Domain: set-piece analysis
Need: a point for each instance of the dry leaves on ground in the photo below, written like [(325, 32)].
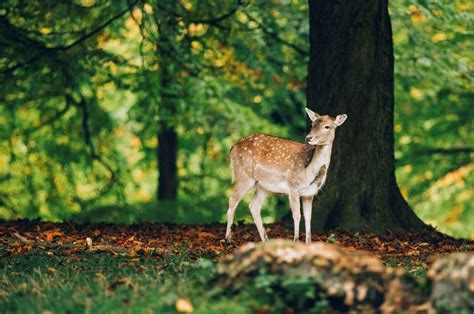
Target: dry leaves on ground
[(198, 241)]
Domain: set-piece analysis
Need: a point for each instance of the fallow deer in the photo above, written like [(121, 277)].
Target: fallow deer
[(277, 165)]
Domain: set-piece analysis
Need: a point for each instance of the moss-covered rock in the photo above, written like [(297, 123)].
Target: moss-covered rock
[(322, 276), (316, 275), (452, 280)]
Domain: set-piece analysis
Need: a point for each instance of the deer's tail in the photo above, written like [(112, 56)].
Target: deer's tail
[(232, 160)]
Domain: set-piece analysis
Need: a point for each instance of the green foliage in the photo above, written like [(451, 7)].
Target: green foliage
[(227, 88), (81, 111), (434, 95), (298, 292)]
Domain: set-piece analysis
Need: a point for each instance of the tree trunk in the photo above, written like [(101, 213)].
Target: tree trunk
[(351, 71), (167, 136), (167, 168)]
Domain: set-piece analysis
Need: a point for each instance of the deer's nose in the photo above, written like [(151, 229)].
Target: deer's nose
[(308, 138)]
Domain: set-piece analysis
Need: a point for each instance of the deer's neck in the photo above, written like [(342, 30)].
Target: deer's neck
[(321, 157)]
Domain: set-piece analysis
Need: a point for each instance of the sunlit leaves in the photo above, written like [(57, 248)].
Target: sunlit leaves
[(416, 94), (439, 37), (433, 80)]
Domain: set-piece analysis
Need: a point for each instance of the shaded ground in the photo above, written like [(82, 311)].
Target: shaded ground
[(155, 267), (206, 241)]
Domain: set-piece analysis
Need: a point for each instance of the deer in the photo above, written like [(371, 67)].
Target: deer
[(277, 165)]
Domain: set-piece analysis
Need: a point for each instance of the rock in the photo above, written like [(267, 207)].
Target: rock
[(452, 281), (305, 276), (324, 276)]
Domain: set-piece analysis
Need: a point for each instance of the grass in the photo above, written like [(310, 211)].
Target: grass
[(46, 282), (39, 282), (415, 268), (166, 273)]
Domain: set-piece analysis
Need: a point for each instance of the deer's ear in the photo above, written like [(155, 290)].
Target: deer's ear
[(340, 119), (311, 114)]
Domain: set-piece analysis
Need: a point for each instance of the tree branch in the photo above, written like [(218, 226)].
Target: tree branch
[(447, 151), (426, 152), (211, 20), (275, 36), (15, 34), (141, 26), (97, 30), (56, 116), (216, 20), (85, 127), (93, 153)]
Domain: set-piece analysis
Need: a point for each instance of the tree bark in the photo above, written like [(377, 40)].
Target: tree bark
[(351, 71), (167, 168), (167, 151)]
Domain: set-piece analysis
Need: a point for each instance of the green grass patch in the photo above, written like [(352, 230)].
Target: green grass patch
[(102, 283), (92, 282), (415, 268)]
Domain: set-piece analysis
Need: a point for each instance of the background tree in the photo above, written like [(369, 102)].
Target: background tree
[(169, 90)]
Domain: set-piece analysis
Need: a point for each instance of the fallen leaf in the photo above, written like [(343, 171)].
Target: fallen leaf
[(89, 242), (198, 241), (118, 282), (262, 310), (101, 276), (391, 249), (50, 234), (184, 306)]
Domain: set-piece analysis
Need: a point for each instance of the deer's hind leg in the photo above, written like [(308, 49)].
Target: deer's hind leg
[(243, 183), (255, 208)]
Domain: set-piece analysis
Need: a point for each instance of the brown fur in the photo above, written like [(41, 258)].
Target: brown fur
[(277, 165)]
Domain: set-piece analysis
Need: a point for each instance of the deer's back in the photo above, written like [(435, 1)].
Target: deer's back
[(267, 158)]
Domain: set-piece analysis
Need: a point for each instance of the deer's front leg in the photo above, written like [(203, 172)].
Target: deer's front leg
[(296, 212), (307, 211)]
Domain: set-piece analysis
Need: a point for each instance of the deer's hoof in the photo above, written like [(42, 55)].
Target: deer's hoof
[(296, 240)]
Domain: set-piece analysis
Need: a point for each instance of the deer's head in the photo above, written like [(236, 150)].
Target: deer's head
[(323, 128)]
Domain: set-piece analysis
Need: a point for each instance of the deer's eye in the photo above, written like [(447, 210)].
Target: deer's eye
[(326, 127)]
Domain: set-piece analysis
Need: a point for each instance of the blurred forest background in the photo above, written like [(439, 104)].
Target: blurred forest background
[(98, 98)]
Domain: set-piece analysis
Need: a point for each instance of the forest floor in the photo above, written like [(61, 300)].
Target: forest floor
[(65, 267)]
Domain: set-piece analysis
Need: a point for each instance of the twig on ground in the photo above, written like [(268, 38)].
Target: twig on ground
[(99, 247)]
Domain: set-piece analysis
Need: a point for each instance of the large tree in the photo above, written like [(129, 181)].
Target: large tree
[(351, 71)]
